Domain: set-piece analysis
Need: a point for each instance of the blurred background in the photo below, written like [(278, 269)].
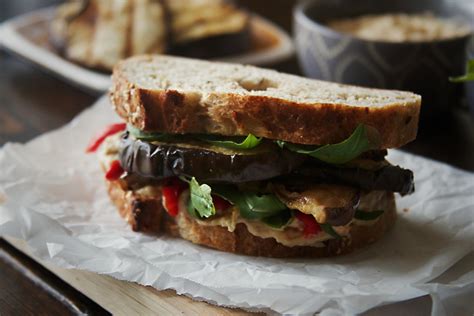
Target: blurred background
[(40, 88)]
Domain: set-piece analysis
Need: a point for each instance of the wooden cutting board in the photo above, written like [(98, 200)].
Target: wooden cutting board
[(127, 298)]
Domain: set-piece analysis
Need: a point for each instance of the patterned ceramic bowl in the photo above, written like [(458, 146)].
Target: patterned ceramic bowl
[(422, 67)]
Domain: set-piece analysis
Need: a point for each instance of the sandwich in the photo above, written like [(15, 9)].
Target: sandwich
[(253, 161), (98, 34)]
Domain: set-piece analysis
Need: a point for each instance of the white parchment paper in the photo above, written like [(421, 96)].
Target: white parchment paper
[(53, 196)]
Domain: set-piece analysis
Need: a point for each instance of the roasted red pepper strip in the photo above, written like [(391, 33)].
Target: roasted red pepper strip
[(170, 195), (219, 203), (170, 200), (99, 139), (115, 171), (310, 226)]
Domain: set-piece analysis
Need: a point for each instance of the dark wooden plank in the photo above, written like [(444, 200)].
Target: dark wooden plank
[(32, 102), (29, 289)]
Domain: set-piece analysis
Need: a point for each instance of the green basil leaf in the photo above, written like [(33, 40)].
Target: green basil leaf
[(231, 142), (260, 206), (201, 199), (367, 216), (251, 141), (363, 138), (469, 76), (192, 211), (250, 204), (329, 230), (280, 220)]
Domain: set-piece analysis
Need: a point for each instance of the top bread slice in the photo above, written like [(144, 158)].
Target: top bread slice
[(180, 95)]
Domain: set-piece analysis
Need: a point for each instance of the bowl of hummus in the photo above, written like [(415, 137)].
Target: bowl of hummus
[(399, 44)]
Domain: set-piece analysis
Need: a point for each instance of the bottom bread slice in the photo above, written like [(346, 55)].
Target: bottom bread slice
[(145, 213)]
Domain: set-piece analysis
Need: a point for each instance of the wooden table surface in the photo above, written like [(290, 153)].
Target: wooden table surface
[(33, 102)]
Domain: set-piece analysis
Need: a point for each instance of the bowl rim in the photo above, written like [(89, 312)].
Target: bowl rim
[(300, 16)]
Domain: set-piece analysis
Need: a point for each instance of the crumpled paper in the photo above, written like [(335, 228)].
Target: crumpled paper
[(52, 195)]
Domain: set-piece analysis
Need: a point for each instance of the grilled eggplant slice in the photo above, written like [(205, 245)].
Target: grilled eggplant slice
[(206, 162), (388, 178)]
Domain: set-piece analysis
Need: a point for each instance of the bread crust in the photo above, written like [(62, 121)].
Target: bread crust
[(147, 215), (174, 112)]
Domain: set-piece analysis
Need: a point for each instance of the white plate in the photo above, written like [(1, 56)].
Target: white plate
[(27, 36)]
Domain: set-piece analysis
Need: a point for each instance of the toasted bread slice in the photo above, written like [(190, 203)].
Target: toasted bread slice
[(98, 34), (193, 20), (145, 213), (180, 95)]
